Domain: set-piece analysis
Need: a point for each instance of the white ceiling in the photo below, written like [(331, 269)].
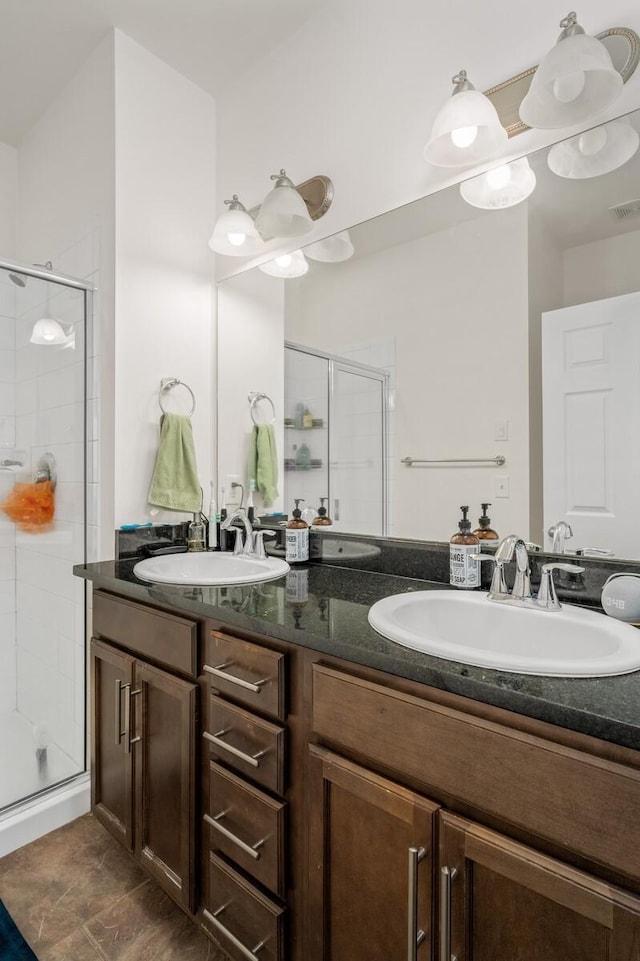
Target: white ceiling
[(44, 42)]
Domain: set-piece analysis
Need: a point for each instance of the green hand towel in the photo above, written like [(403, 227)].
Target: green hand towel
[(263, 462), (175, 481)]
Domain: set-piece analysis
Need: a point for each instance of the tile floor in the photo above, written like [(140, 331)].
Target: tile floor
[(77, 896)]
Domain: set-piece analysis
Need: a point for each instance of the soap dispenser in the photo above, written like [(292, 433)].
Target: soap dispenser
[(297, 537), (485, 531), (464, 570), (322, 520)]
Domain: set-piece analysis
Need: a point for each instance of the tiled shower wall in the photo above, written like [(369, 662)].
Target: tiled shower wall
[(50, 417)]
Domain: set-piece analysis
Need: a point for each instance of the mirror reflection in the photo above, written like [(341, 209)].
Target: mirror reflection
[(478, 346)]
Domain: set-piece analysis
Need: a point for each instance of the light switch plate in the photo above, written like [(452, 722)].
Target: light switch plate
[(501, 485)]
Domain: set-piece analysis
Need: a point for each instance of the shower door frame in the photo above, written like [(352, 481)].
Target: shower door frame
[(40, 272), (373, 373)]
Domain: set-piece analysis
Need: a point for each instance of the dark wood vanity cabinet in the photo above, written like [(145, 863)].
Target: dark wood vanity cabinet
[(302, 808), (144, 744)]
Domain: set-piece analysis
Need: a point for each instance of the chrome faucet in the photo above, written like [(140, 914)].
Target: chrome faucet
[(512, 547), (253, 544), (559, 533)]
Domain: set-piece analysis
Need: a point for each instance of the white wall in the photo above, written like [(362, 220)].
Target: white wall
[(164, 196), (454, 328), (354, 93), (606, 268), (8, 199)]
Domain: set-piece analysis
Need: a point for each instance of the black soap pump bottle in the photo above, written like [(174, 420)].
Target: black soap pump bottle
[(485, 531), (296, 537), (464, 570), (322, 520)]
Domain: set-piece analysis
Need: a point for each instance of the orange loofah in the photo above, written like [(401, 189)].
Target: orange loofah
[(30, 506)]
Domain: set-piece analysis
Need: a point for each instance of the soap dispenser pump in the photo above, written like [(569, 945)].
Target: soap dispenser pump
[(464, 569), (485, 531), (322, 520), (297, 536)]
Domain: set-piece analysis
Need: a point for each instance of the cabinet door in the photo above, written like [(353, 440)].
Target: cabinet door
[(502, 901), (111, 765), (164, 749), (370, 865)]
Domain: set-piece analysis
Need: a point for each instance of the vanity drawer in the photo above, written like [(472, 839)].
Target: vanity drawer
[(568, 797), (248, 673), (248, 827), (240, 917), (247, 743), (163, 638)]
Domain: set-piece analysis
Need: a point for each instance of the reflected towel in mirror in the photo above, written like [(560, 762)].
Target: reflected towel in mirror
[(175, 483), (263, 462)]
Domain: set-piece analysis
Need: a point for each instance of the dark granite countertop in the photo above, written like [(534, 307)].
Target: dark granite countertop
[(325, 608)]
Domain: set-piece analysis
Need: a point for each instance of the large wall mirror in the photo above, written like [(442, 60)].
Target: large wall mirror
[(459, 355)]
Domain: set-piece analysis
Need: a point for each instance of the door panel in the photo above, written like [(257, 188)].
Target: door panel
[(507, 902), (362, 828), (111, 765)]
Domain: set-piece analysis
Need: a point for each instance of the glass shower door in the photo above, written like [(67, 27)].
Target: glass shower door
[(357, 445)]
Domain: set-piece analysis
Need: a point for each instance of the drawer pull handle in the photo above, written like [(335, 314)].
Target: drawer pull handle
[(415, 936), (251, 850), (127, 718), (446, 877), (220, 671), (119, 733), (252, 759), (250, 955)]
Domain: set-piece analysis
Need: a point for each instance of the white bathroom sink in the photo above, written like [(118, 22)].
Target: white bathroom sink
[(469, 628), (209, 568), (332, 549)]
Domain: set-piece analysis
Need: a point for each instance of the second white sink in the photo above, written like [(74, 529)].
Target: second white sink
[(469, 628), (210, 568)]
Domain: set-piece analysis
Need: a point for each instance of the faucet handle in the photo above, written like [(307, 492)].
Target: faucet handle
[(498, 582), (547, 597), (258, 545), (238, 546)]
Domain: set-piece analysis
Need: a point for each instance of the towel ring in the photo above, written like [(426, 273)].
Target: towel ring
[(254, 399), (167, 384)]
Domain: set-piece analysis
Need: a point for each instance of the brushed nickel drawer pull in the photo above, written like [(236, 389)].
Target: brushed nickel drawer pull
[(119, 733), (251, 850), (250, 955), (128, 740), (220, 671), (252, 759), (446, 877), (415, 936)]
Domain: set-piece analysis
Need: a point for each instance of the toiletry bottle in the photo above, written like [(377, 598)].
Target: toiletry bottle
[(464, 571), (214, 522), (196, 534), (307, 419), (485, 531), (297, 537), (251, 513), (303, 456), (322, 520), (299, 415), (224, 539)]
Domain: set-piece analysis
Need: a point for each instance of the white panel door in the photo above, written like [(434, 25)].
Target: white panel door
[(591, 423)]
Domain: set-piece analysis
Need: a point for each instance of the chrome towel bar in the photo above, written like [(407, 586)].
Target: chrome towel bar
[(497, 461)]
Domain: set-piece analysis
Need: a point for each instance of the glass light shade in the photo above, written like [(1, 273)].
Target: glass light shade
[(235, 234), (283, 212), (503, 186), (287, 266), (576, 80), (48, 332), (331, 250), (467, 130), (596, 151)]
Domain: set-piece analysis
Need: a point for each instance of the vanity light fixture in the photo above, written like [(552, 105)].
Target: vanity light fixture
[(287, 266), (595, 152), (574, 81), (467, 129), (289, 210), (503, 186), (235, 233), (331, 250)]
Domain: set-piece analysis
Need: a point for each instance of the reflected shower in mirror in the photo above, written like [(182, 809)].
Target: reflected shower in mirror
[(510, 341)]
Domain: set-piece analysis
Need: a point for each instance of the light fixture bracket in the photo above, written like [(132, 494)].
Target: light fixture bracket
[(623, 45)]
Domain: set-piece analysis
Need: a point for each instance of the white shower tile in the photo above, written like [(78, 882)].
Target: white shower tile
[(7, 399), (7, 299), (7, 564), (7, 597), (7, 365)]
